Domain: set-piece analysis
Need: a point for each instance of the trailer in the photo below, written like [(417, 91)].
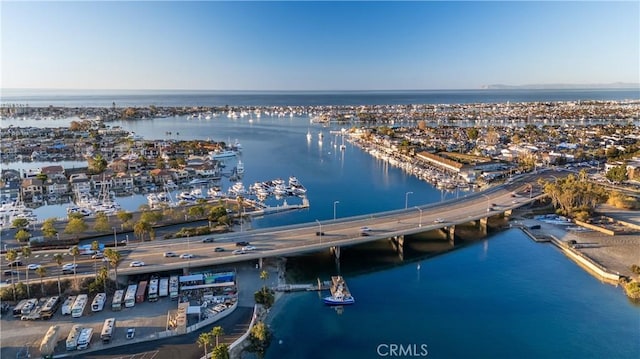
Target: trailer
[(164, 287), (50, 307), (17, 310), (116, 303), (98, 302), (78, 306), (49, 342), (142, 290), (72, 338), (68, 304), (85, 338)]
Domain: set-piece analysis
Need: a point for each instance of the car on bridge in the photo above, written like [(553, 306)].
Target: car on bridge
[(238, 251), (365, 229), (170, 254), (242, 244), (207, 240), (218, 249), (186, 255), (16, 264), (438, 220), (136, 264), (248, 248), (33, 266), (98, 255)]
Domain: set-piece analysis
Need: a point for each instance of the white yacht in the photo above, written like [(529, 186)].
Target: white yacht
[(218, 155), (237, 189), (240, 168)]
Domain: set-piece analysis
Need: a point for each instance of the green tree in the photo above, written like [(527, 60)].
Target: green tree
[(114, 258), (48, 229), (26, 254), (472, 133), (217, 332), (216, 212), (259, 339), (617, 174), (264, 275), (124, 217), (75, 226), (196, 211), (20, 223), (101, 223), (42, 177), (152, 217), (22, 236), (141, 228), (75, 251), (11, 256), (204, 340), (221, 351), (58, 258), (41, 271), (97, 164)]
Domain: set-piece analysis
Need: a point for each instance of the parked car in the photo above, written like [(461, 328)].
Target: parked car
[(131, 332), (218, 249), (242, 244), (170, 254), (136, 264), (207, 240)]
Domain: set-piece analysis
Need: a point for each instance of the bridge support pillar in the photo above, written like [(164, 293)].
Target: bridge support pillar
[(336, 252), (451, 234), (260, 263), (185, 271), (398, 244), (482, 225)]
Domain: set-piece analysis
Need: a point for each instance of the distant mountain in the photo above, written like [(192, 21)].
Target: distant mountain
[(615, 85)]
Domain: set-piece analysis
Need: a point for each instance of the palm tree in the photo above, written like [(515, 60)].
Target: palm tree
[(204, 340), (102, 276), (94, 247), (141, 228), (114, 258), (58, 258), (75, 251), (217, 332), (26, 253), (11, 255), (220, 352), (42, 271), (264, 275)]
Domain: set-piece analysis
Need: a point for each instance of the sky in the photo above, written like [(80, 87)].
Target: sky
[(290, 45)]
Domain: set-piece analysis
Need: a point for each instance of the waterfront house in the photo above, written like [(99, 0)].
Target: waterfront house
[(161, 176), (56, 186), (31, 188), (122, 182), (80, 183), (9, 190), (54, 172)]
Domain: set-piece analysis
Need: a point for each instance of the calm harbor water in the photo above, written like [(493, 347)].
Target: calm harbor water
[(502, 298)]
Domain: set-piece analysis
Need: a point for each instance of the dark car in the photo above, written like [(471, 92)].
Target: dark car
[(318, 233), (242, 244), (218, 249), (10, 272), (15, 264), (207, 240)]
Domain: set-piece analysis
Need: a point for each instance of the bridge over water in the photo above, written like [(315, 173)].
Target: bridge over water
[(334, 234)]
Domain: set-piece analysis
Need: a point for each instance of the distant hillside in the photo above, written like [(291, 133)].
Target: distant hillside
[(615, 85)]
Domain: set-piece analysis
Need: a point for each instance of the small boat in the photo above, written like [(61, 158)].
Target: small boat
[(340, 294), (240, 167), (308, 136)]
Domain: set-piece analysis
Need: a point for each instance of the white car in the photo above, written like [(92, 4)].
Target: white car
[(136, 264), (170, 254), (69, 266), (439, 220), (33, 266), (186, 255), (248, 248), (98, 255), (238, 251), (365, 229)]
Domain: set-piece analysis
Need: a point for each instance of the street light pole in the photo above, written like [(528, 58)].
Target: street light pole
[(319, 230), (406, 199), (334, 209), (419, 209), (488, 199), (115, 237)]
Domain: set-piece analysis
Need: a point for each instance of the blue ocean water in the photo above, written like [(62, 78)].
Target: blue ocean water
[(503, 298), (87, 98), (507, 297)]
